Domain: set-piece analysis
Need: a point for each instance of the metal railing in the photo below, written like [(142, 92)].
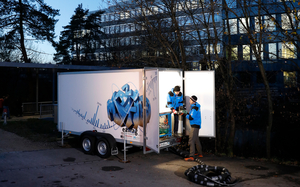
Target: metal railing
[(33, 108)]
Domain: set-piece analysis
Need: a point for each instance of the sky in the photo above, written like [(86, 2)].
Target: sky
[(67, 8)]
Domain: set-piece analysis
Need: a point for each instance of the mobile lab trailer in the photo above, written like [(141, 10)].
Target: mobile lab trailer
[(105, 107)]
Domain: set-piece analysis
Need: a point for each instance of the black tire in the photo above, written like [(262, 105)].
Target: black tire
[(88, 144), (102, 148)]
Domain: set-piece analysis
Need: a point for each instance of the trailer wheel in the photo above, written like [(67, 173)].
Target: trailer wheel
[(88, 144), (103, 148)]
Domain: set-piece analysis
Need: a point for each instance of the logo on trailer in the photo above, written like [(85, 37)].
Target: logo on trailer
[(125, 108)]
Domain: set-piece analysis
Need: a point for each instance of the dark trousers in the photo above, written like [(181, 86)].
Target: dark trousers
[(194, 139), (176, 123)]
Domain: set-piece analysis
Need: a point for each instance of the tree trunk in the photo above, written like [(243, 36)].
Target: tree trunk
[(270, 110), (22, 39)]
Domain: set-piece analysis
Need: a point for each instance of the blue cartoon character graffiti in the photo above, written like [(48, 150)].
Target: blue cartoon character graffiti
[(126, 108)]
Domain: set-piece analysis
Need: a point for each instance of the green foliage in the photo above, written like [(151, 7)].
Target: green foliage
[(80, 36), (26, 19)]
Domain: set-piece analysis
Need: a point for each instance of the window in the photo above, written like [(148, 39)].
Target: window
[(180, 6), (188, 50), (257, 50), (127, 28), (232, 26), (210, 49), (117, 29), (117, 16), (103, 17), (112, 29), (180, 20), (132, 39), (101, 55), (112, 42), (112, 17), (203, 34), (144, 53), (194, 4), (127, 41), (132, 27), (122, 41), (256, 23), (138, 12), (133, 54), (144, 26), (122, 15), (217, 17), (243, 25), (269, 22), (195, 50), (127, 15), (272, 51), (208, 17), (289, 79), (189, 20), (287, 50), (122, 28), (193, 35), (155, 10), (246, 52), (285, 21), (137, 41), (234, 52)]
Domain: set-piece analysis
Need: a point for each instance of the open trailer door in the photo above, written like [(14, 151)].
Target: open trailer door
[(202, 85), (151, 129)]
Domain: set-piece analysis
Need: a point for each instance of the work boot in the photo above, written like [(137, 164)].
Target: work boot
[(189, 159), (198, 155)]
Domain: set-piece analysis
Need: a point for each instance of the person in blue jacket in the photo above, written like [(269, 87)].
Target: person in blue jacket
[(195, 121), (174, 102)]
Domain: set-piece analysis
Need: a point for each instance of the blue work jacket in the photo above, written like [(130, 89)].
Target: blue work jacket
[(174, 101), (195, 115)]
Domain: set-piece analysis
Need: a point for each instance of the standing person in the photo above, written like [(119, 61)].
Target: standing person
[(195, 121), (6, 106), (174, 101)]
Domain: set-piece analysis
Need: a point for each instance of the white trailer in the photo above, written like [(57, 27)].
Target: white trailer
[(105, 107)]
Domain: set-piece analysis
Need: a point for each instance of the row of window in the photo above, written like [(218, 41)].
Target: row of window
[(180, 6), (122, 41), (190, 50), (234, 4), (197, 50), (167, 22), (105, 56), (272, 51), (268, 23)]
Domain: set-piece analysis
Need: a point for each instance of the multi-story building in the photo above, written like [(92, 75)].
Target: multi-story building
[(276, 30), (127, 37), (126, 32)]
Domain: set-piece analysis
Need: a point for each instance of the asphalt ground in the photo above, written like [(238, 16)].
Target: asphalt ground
[(26, 163)]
